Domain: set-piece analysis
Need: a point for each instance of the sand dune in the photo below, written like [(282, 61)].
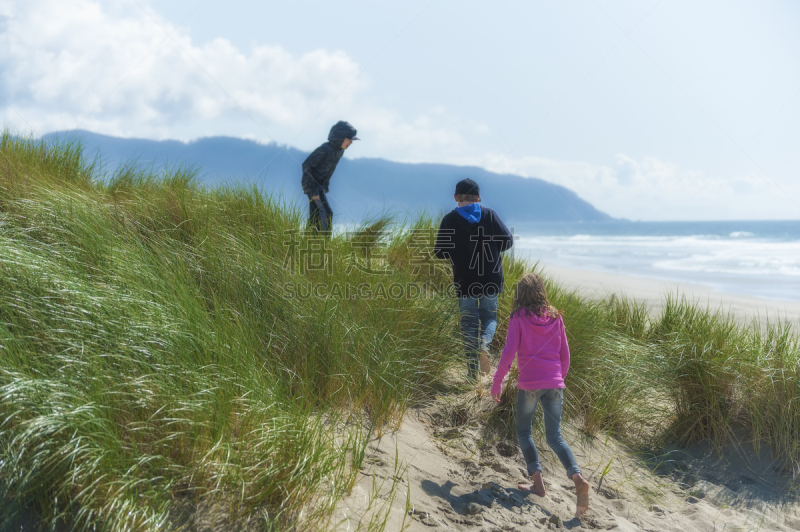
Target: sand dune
[(444, 471), (430, 475)]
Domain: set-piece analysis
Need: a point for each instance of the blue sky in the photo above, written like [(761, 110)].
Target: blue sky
[(651, 110)]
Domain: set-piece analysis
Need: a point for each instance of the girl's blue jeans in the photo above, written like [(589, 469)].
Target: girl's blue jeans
[(552, 400), (478, 325)]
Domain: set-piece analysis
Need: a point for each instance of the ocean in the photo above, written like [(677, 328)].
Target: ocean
[(752, 258)]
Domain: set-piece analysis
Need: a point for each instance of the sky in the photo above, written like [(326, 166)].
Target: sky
[(648, 109)]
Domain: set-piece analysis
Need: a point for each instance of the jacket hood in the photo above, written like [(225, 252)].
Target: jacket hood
[(464, 224), (471, 213), (341, 130), (541, 324)]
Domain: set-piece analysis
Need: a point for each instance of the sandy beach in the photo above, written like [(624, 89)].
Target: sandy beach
[(440, 470), (654, 292)]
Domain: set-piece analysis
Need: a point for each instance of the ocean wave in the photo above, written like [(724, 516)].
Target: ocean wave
[(747, 268), (761, 262), (697, 258)]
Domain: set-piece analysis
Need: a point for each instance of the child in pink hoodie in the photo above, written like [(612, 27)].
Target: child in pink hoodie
[(536, 336)]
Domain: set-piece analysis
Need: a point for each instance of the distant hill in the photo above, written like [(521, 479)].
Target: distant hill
[(360, 187)]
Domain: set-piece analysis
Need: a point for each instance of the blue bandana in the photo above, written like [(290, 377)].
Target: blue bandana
[(471, 213)]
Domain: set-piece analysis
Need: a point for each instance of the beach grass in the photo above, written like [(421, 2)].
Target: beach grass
[(164, 351), (172, 354)]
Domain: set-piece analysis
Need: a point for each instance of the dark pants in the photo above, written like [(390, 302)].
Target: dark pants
[(320, 214)]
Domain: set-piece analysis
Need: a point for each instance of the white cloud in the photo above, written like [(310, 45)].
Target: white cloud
[(112, 68)]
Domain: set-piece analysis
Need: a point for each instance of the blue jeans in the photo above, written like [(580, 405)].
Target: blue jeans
[(478, 324), (552, 400)]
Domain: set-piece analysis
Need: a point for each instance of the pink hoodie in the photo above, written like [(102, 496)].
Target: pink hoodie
[(541, 344)]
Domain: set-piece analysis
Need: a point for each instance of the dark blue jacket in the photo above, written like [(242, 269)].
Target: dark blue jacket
[(319, 166), (474, 251)]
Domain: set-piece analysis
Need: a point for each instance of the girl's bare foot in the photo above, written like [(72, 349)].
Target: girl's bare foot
[(582, 489), (537, 487)]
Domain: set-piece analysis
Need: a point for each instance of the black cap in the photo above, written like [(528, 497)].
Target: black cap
[(468, 186)]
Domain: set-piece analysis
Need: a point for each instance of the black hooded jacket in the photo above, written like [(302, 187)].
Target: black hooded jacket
[(319, 166), (474, 251)]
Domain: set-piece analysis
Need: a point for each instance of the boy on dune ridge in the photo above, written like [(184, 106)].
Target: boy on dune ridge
[(317, 171)]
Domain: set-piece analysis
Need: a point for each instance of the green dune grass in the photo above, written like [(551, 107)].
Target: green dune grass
[(168, 349)]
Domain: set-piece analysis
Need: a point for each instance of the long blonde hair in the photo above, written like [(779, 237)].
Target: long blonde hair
[(531, 296)]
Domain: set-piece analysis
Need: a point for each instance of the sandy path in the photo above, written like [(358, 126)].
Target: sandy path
[(435, 474), (457, 480)]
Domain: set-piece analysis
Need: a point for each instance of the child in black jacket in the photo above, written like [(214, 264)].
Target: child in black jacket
[(318, 169), (473, 237)]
